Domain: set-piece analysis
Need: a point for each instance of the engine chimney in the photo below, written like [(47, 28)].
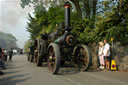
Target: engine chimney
[(67, 7)]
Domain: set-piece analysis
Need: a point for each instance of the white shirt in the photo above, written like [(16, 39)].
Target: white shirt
[(106, 48)]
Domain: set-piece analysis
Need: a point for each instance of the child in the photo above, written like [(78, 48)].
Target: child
[(101, 55)]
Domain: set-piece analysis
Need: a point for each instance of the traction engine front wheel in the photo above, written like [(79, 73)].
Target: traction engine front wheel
[(54, 58)]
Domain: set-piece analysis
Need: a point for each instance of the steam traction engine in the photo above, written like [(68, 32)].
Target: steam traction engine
[(65, 48)]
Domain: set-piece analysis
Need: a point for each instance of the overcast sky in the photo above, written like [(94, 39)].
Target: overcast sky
[(13, 20)]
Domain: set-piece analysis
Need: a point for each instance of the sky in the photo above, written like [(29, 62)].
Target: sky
[(13, 20)]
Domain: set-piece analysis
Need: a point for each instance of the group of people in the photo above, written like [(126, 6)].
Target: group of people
[(104, 55), (3, 58)]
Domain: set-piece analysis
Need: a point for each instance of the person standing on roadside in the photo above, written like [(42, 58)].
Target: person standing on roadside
[(2, 59), (101, 55), (5, 55), (107, 54), (10, 54)]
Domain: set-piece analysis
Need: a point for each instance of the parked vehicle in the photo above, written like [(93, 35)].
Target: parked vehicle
[(60, 47)]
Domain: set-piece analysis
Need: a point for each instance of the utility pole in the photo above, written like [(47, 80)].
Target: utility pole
[(112, 48)]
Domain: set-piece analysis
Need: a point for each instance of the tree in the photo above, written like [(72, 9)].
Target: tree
[(44, 20), (55, 2), (7, 40)]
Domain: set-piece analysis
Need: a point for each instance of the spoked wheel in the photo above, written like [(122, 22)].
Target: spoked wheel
[(82, 57), (54, 58)]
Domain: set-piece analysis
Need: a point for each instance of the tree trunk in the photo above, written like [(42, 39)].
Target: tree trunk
[(94, 8), (87, 8), (77, 5)]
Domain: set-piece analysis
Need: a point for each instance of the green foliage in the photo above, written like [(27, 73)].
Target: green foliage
[(44, 21), (111, 24), (83, 31), (7, 41), (55, 15), (79, 26), (36, 23)]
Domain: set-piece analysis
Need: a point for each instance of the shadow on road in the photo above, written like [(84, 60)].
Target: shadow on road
[(68, 69), (13, 80), (11, 72), (14, 67)]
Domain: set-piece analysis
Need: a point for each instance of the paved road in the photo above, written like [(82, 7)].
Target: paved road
[(22, 72)]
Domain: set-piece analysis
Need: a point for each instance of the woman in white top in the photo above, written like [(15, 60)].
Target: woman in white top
[(101, 55)]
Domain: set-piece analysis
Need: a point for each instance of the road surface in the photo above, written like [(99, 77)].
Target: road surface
[(22, 72)]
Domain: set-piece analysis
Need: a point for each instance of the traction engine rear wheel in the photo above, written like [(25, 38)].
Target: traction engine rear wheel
[(82, 57)]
